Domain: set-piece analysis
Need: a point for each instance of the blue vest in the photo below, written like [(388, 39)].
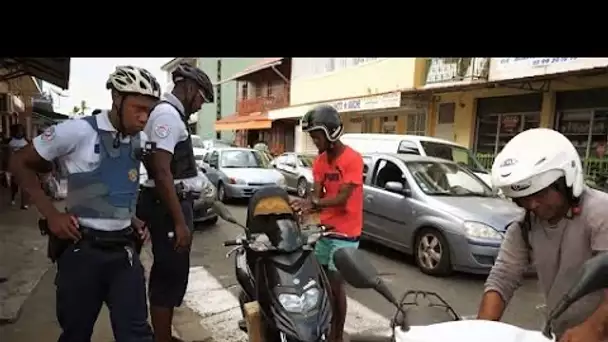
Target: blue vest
[(109, 191)]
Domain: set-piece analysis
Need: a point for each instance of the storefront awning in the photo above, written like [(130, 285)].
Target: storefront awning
[(53, 70), (263, 64), (257, 120), (47, 115)]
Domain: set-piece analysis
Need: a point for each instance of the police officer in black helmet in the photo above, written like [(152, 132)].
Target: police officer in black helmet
[(166, 199)]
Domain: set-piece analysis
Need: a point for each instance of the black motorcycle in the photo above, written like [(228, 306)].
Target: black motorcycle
[(276, 266)]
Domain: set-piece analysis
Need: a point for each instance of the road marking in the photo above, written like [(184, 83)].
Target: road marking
[(220, 312)]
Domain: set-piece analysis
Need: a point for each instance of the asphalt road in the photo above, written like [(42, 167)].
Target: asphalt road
[(462, 291)]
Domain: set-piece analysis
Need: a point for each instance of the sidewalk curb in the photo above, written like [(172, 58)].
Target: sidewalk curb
[(17, 289), (186, 323)]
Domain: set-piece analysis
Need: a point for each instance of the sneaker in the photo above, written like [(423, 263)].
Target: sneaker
[(12, 202), (24, 207)]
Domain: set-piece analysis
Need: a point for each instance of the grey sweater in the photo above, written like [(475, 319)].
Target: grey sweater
[(557, 253)]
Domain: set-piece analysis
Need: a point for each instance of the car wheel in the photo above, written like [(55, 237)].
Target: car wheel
[(432, 253), (302, 187), (221, 192)]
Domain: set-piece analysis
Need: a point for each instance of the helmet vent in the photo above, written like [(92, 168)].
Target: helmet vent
[(542, 160)]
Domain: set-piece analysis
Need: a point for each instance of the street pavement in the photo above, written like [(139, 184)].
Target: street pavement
[(213, 287), (210, 311)]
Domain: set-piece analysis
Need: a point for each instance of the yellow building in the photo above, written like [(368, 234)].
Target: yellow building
[(374, 95), (483, 113)]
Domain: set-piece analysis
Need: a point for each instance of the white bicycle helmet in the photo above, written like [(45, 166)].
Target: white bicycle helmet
[(133, 80), (535, 159)]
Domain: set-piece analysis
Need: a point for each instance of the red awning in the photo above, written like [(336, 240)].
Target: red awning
[(261, 65)]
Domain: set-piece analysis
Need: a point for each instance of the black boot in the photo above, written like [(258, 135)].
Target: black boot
[(243, 325)]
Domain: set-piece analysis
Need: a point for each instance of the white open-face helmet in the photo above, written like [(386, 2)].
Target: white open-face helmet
[(535, 159), (133, 80)]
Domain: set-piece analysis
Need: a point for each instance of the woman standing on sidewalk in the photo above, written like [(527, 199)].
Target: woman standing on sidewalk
[(17, 142)]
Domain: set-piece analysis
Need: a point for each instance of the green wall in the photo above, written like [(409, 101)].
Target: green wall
[(207, 115)]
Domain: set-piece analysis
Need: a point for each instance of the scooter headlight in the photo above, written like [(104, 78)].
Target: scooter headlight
[(300, 304)]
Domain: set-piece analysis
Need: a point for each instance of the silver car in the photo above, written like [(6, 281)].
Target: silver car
[(297, 170), (239, 172), (436, 210)]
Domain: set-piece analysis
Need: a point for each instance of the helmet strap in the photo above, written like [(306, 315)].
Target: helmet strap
[(121, 126)]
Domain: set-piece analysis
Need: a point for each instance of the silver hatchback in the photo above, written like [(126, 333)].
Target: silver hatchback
[(436, 210)]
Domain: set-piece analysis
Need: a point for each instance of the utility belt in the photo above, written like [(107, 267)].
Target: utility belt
[(99, 239)]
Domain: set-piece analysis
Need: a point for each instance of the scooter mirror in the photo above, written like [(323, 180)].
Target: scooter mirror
[(593, 277), (223, 212), (355, 268)]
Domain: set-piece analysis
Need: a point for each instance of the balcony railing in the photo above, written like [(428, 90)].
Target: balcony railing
[(444, 70), (278, 97)]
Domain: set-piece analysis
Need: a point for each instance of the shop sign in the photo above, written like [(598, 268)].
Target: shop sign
[(390, 100), (505, 68), (368, 103)]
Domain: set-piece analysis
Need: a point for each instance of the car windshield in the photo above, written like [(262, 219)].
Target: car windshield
[(306, 160), (197, 142), (447, 179), (242, 159), (457, 154)]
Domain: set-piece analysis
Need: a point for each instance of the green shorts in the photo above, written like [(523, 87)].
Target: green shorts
[(326, 247)]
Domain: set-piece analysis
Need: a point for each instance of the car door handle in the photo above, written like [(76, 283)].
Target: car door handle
[(369, 198)]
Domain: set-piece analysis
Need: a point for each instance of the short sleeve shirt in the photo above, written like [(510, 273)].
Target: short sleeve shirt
[(346, 169)]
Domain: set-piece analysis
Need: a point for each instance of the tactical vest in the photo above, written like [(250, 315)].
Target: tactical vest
[(109, 191), (183, 164)]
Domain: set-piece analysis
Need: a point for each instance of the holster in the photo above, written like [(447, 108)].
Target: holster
[(55, 245)]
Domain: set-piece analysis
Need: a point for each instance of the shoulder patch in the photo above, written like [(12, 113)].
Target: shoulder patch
[(162, 130), (48, 134)]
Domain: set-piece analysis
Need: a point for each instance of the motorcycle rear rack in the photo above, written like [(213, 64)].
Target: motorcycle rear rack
[(410, 298)]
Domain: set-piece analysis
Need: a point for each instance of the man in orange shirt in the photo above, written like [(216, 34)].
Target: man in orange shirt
[(338, 195)]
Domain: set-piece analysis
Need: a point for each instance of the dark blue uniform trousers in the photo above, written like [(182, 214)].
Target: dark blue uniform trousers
[(87, 277)]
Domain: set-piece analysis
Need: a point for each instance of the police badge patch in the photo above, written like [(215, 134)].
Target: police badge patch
[(162, 130), (48, 134), (133, 175)]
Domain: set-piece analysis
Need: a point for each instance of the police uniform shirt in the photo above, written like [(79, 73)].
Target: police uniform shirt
[(166, 128), (72, 143)]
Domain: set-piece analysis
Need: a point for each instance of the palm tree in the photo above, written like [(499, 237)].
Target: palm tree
[(79, 110)]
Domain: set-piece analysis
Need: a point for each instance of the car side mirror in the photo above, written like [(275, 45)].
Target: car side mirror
[(213, 164), (397, 188)]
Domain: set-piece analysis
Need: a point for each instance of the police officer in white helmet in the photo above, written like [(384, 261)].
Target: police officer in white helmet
[(93, 243), (565, 224)]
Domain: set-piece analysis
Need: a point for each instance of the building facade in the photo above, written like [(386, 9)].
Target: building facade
[(203, 123), (515, 94), (373, 95), (261, 87)]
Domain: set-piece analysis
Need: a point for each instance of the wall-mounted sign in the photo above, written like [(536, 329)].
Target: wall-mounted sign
[(383, 101), (390, 100), (505, 68), (456, 70)]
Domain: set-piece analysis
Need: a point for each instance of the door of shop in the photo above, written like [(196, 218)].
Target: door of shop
[(445, 121), (501, 118)]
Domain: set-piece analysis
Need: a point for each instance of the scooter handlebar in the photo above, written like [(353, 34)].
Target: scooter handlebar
[(237, 242)]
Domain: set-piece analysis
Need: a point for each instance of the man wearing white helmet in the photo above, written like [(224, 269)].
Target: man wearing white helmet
[(166, 200), (565, 224), (93, 242)]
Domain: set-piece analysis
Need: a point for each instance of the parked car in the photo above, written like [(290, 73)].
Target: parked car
[(203, 209), (239, 172), (436, 210), (297, 170), (417, 144)]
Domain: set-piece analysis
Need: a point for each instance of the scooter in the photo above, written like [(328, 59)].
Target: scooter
[(359, 272), (275, 265)]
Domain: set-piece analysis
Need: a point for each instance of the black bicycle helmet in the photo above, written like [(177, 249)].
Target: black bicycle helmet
[(186, 71), (325, 118)]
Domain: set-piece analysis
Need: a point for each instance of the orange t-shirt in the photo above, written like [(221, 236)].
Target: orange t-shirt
[(347, 168)]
